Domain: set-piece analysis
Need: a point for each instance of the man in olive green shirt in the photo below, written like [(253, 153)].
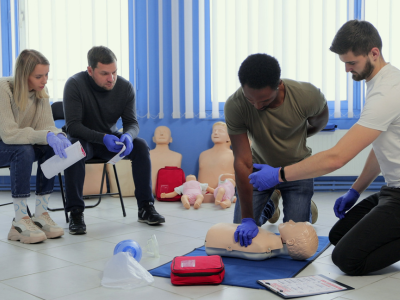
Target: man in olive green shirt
[(277, 115)]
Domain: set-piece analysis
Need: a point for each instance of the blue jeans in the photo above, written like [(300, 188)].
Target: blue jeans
[(141, 172), (296, 198), (20, 158)]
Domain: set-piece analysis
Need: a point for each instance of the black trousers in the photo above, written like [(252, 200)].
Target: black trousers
[(141, 172), (367, 239)]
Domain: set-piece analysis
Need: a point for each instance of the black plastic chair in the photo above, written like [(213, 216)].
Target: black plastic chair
[(58, 114)]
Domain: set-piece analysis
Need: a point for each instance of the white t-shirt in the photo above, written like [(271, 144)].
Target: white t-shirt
[(382, 112)]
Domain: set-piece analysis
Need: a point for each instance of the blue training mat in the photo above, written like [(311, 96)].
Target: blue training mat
[(245, 273)]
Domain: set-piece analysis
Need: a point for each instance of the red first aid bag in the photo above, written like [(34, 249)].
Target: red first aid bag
[(169, 178), (194, 270)]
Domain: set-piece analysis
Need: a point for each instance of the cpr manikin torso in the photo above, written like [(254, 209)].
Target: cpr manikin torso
[(161, 156), (217, 160), (299, 240)]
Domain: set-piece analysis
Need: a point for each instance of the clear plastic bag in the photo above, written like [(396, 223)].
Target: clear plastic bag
[(124, 272)]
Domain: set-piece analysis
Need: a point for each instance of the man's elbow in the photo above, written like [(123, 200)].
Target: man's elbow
[(335, 162)]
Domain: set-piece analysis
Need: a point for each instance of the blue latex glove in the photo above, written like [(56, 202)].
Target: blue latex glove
[(64, 139), (57, 144), (345, 202), (127, 140), (266, 178), (109, 141), (246, 231)]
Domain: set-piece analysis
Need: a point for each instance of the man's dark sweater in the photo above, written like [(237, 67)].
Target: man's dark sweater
[(91, 111)]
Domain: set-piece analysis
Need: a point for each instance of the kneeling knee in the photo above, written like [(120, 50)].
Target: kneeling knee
[(350, 267)]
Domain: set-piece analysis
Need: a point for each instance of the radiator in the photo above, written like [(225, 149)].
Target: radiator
[(325, 140)]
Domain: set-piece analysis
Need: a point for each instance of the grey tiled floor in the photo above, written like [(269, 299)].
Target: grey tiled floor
[(71, 267)]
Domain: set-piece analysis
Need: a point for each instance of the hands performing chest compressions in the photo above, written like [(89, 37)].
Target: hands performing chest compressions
[(266, 178)]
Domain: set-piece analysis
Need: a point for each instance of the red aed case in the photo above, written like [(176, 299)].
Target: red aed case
[(195, 270), (168, 179)]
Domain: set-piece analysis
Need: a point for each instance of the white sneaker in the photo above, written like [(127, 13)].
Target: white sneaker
[(48, 226), (26, 232)]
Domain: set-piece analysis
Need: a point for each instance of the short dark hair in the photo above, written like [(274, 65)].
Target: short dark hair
[(100, 54), (260, 70), (356, 36)]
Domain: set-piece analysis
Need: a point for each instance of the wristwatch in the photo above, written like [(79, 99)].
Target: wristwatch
[(282, 171)]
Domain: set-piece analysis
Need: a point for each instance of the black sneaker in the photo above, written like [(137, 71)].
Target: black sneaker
[(149, 215), (76, 222)]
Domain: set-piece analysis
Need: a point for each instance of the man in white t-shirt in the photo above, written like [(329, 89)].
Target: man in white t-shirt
[(367, 237)]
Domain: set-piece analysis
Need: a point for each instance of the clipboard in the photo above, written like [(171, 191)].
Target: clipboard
[(288, 288)]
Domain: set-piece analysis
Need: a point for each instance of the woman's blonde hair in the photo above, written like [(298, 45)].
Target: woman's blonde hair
[(24, 66)]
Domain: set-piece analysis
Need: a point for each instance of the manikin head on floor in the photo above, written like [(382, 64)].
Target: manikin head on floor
[(300, 238)]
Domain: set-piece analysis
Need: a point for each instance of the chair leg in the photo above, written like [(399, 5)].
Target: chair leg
[(63, 199), (119, 191), (101, 189)]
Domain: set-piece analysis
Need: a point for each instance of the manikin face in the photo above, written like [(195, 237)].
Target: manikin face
[(220, 135), (300, 238), (190, 178), (360, 66), (38, 78), (105, 76), (162, 135), (260, 98)]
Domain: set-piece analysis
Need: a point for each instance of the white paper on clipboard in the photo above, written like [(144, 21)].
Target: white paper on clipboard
[(56, 164), (117, 157)]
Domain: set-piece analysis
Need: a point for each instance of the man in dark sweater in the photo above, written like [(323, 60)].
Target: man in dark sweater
[(94, 100)]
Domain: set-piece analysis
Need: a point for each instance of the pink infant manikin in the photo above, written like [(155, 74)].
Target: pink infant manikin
[(224, 194), (191, 191)]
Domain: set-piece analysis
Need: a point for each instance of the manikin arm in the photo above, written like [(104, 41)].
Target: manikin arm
[(210, 190), (369, 173), (243, 165), (169, 195), (352, 143)]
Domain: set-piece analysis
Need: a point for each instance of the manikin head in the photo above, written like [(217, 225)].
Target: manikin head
[(220, 134), (300, 238), (259, 76), (102, 67), (359, 46), (162, 135), (190, 178)]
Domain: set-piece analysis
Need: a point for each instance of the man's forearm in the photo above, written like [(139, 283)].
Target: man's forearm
[(245, 191), (370, 171)]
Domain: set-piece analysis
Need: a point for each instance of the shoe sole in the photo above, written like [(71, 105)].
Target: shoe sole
[(53, 235), (78, 232), (275, 216), (14, 235), (151, 223), (314, 212)]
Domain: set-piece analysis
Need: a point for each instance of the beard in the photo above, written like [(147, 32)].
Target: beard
[(368, 69)]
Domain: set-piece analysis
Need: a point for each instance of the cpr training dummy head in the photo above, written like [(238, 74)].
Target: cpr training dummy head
[(301, 239), (220, 134), (191, 191), (162, 135)]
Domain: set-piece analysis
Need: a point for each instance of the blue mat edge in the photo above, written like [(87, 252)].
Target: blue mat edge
[(309, 261)]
